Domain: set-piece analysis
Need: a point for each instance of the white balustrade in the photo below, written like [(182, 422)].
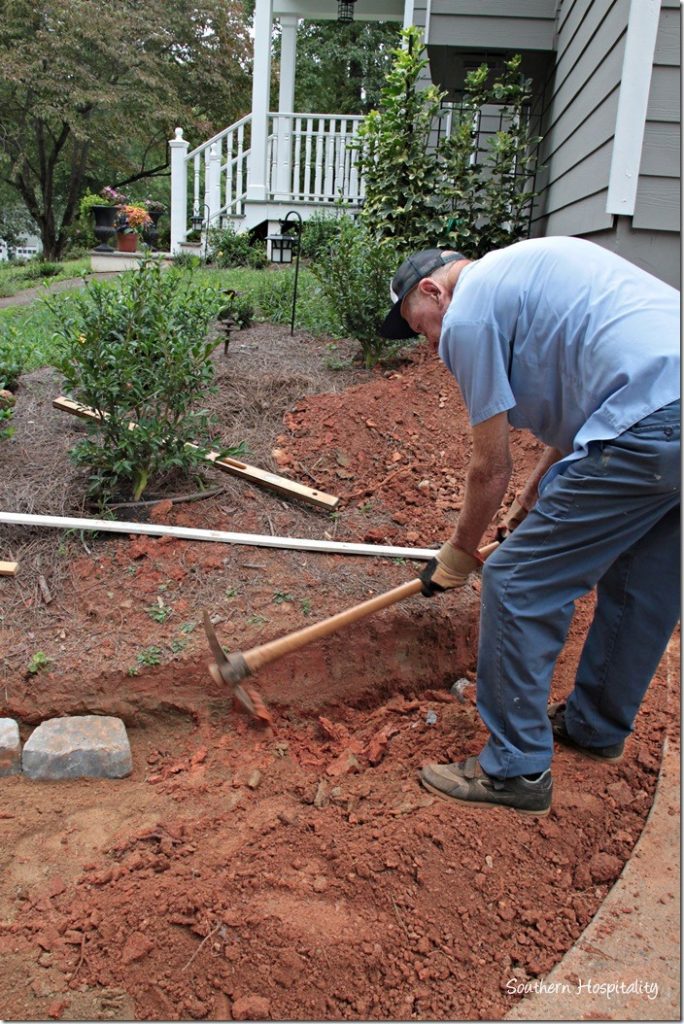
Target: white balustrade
[(309, 161)]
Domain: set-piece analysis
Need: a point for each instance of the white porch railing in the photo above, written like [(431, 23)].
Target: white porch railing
[(309, 160)]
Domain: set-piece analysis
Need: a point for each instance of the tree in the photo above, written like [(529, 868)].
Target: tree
[(87, 85), (341, 68)]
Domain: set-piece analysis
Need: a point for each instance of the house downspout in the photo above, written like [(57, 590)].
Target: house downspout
[(637, 66)]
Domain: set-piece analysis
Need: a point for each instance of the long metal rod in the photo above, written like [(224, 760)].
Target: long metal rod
[(218, 536)]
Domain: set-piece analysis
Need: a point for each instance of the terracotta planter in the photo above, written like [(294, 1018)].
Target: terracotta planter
[(127, 241)]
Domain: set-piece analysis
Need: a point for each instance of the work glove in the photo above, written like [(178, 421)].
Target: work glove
[(513, 517), (450, 569)]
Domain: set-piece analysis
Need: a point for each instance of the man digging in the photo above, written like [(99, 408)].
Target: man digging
[(563, 338)]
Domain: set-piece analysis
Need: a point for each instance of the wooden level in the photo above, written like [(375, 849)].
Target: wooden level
[(253, 475)]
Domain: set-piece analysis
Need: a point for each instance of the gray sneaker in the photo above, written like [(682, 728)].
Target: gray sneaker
[(467, 782), (610, 754)]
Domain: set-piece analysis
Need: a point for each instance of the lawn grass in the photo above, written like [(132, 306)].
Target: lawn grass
[(269, 290), (16, 277)]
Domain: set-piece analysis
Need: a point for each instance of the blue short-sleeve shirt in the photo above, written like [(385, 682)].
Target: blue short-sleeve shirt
[(575, 343)]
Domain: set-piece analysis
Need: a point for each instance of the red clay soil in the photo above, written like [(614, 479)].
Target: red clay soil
[(299, 872)]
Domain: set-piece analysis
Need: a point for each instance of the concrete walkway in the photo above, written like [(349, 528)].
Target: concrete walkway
[(626, 965), (29, 295)]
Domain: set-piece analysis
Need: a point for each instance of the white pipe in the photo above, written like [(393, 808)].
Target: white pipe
[(220, 536)]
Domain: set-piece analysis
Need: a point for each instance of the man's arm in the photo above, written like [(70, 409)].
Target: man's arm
[(528, 495), (487, 478)]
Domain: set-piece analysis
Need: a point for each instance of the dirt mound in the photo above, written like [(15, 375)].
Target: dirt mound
[(298, 873)]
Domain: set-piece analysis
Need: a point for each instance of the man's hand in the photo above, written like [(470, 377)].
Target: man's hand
[(448, 570), (514, 516)]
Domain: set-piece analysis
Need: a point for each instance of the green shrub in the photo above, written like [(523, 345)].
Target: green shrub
[(11, 357), (187, 261), (138, 352), (355, 279), (319, 234), (236, 307), (37, 269), (226, 248)]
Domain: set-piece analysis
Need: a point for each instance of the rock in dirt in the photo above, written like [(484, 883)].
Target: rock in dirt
[(78, 746), (10, 747), (251, 1008), (604, 867)]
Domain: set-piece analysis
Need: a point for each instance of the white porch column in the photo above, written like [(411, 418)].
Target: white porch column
[(288, 57), (257, 183), (179, 191)]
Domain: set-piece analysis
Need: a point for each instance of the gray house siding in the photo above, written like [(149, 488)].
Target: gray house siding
[(579, 129), (658, 194), (579, 122)]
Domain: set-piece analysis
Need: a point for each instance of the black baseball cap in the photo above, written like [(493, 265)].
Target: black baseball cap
[(412, 270)]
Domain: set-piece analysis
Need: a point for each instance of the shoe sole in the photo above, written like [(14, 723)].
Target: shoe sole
[(483, 803), (586, 752)]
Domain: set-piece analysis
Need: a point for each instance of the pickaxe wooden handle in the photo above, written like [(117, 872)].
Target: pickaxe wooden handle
[(236, 667)]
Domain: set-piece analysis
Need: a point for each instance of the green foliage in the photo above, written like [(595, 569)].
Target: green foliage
[(420, 195), (489, 199), (227, 248), (402, 175), (11, 357), (148, 656), (90, 92), (36, 270), (187, 261), (273, 293), (341, 68), (137, 351), (237, 308), (38, 661), (319, 234), (355, 278), (11, 366)]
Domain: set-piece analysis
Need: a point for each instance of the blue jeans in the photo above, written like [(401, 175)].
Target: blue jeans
[(610, 521)]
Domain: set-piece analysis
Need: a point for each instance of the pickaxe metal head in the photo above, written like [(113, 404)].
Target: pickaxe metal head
[(232, 669)]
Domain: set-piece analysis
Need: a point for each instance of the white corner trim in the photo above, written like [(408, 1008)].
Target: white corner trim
[(637, 65)]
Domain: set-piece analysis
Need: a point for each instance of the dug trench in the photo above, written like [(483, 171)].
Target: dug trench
[(299, 872)]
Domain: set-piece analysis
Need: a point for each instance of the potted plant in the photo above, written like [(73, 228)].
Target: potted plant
[(130, 221), (104, 209)]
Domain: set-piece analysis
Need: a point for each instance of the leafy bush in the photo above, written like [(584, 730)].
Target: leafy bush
[(37, 269), (187, 261), (11, 366), (420, 195), (138, 352), (226, 248), (319, 234), (11, 357), (237, 308), (355, 278)]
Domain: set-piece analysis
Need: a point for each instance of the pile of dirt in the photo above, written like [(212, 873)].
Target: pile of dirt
[(299, 872)]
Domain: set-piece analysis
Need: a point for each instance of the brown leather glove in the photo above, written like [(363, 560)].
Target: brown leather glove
[(514, 516), (450, 569)]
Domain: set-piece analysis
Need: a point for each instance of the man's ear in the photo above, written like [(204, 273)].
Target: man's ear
[(430, 289)]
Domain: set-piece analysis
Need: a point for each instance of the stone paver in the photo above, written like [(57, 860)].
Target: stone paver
[(83, 745), (10, 747)]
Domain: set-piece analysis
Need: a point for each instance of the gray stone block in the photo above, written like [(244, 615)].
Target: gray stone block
[(10, 747), (83, 745)]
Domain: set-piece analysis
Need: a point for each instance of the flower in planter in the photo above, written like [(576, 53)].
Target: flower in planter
[(154, 206), (133, 218), (111, 197)]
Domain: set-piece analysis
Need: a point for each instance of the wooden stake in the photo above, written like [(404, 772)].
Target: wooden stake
[(253, 475)]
